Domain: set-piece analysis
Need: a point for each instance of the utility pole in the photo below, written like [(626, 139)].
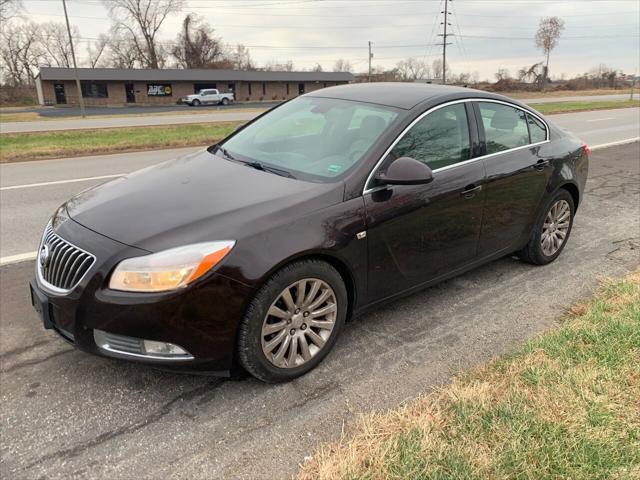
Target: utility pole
[(73, 56), (444, 36), (370, 57)]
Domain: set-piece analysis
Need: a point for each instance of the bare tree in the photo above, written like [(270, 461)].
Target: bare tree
[(197, 47), (436, 68), (412, 69), (240, 58), (9, 9), (547, 36), (53, 40), (143, 19), (342, 65), (532, 74), (275, 66), (502, 74), (122, 51), (316, 68), (96, 51), (19, 53)]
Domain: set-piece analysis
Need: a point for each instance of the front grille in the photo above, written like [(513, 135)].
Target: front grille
[(61, 265)]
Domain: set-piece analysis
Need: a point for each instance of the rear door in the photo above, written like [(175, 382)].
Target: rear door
[(417, 233), (517, 173)]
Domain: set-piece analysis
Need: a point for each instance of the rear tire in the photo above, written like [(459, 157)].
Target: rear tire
[(279, 339), (195, 103), (225, 101), (551, 231)]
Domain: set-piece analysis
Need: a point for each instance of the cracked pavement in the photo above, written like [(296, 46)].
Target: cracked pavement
[(66, 414)]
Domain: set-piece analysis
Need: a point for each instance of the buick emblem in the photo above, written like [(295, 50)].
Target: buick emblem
[(45, 256)]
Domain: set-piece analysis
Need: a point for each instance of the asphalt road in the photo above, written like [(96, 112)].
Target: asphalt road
[(66, 414), (214, 114), (25, 207)]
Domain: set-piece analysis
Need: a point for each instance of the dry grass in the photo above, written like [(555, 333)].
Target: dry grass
[(38, 145), (582, 106), (569, 93), (566, 405), (6, 115)]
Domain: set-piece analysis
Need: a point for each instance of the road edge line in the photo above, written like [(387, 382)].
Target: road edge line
[(613, 144), (20, 257), (60, 182)]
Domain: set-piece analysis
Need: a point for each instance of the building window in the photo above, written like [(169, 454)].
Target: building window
[(94, 89), (231, 87), (324, 85), (287, 89), (264, 88), (250, 89), (203, 86)]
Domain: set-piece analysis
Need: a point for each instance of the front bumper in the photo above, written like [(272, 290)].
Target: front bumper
[(202, 318)]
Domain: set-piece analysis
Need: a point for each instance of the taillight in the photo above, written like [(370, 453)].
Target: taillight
[(586, 149)]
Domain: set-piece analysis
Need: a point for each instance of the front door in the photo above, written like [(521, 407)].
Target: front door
[(417, 233), (301, 89), (517, 174), (58, 88), (131, 93)]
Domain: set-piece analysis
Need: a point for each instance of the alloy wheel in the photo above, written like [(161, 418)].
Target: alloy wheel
[(299, 323), (555, 228)]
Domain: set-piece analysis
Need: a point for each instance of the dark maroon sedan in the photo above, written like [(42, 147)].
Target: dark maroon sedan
[(253, 252)]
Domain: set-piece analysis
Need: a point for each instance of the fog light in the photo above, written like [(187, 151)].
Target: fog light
[(163, 348), (124, 346)]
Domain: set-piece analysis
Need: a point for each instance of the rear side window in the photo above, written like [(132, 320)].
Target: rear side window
[(505, 127), (439, 139), (537, 131)]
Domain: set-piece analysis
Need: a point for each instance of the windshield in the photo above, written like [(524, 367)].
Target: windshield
[(312, 138)]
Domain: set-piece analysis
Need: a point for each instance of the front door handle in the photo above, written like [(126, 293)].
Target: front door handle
[(470, 191)]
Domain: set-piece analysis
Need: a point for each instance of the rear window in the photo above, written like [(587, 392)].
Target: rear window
[(537, 130), (505, 127)]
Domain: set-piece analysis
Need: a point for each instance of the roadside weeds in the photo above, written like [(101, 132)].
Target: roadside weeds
[(564, 405), (69, 143)]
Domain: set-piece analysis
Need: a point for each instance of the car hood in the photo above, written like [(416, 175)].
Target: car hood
[(196, 198)]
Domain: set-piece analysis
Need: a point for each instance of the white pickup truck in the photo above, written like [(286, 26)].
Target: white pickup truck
[(208, 96)]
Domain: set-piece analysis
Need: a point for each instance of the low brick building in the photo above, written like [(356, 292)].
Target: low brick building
[(113, 86)]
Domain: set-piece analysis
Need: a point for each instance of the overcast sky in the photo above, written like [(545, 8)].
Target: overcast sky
[(489, 34)]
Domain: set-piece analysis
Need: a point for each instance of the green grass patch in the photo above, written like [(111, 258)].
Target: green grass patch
[(67, 143), (567, 107), (564, 405)]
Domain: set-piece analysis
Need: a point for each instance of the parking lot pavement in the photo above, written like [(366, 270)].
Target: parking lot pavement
[(66, 414)]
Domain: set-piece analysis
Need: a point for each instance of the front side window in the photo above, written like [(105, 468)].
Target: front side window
[(438, 140), (505, 127), (94, 89), (537, 130), (313, 138)]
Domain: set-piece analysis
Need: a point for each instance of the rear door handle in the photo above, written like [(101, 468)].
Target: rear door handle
[(542, 164), (470, 191)]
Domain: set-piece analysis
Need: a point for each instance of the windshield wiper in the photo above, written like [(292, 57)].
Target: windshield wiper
[(270, 169), (226, 153)]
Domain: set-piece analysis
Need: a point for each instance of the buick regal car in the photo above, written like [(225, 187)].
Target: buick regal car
[(253, 253)]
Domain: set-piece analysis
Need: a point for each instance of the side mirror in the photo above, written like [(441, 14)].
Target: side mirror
[(405, 171)]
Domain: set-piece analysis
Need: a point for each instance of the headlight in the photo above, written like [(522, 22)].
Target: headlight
[(169, 269)]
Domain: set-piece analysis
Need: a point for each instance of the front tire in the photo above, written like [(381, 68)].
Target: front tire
[(293, 321), (552, 230)]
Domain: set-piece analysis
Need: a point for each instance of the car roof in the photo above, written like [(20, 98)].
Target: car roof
[(397, 94)]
